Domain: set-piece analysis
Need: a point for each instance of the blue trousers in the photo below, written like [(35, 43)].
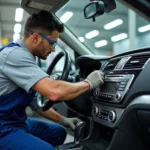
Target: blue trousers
[(39, 135)]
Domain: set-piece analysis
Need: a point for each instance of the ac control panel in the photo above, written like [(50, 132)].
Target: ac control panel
[(106, 115)]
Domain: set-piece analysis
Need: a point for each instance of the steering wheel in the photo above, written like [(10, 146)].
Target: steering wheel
[(43, 103)]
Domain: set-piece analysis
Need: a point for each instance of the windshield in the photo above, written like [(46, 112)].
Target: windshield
[(100, 36)]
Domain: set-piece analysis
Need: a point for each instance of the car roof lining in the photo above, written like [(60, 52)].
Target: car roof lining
[(56, 5)]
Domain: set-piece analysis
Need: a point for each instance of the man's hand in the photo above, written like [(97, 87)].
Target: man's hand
[(95, 79), (69, 122)]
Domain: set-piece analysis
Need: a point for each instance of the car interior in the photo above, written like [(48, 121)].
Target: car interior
[(116, 115)]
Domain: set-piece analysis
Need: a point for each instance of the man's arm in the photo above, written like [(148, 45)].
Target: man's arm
[(50, 114), (60, 90)]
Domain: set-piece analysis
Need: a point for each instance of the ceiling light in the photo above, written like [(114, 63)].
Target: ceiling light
[(16, 36), (119, 37), (19, 15), (92, 34), (113, 24), (144, 28), (81, 39), (101, 43), (66, 16), (17, 28)]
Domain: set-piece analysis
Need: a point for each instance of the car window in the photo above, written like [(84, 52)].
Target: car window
[(101, 37)]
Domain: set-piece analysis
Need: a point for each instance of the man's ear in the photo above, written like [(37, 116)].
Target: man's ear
[(36, 38)]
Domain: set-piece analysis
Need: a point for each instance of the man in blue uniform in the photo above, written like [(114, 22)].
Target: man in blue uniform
[(20, 77)]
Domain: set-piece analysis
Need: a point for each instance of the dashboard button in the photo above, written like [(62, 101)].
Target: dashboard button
[(125, 80), (122, 86), (110, 96), (121, 89), (123, 83), (105, 118)]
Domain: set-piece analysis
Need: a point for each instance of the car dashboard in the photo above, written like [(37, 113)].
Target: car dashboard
[(126, 84)]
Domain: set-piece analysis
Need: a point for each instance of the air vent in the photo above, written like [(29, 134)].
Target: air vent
[(111, 65), (137, 62)]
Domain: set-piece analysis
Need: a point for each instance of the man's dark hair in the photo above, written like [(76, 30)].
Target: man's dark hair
[(42, 20)]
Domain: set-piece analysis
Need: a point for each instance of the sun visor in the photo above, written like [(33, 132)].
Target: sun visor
[(33, 6), (142, 7)]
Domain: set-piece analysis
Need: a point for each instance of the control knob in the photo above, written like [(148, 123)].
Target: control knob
[(95, 110), (112, 116), (118, 96)]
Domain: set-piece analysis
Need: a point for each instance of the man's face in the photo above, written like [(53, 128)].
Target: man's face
[(46, 44)]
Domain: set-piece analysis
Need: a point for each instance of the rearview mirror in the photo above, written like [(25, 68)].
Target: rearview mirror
[(94, 9)]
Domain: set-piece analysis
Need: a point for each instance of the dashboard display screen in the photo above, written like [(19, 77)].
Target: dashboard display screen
[(109, 87)]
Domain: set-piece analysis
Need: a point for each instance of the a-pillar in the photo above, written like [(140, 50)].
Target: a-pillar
[(132, 29)]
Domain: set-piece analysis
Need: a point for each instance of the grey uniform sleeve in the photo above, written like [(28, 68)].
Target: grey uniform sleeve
[(21, 68)]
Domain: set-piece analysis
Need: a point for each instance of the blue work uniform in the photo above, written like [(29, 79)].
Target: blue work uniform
[(18, 73)]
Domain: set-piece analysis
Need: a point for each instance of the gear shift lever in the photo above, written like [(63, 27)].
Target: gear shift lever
[(78, 135), (79, 132)]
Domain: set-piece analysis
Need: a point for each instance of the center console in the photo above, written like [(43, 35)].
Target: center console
[(112, 92)]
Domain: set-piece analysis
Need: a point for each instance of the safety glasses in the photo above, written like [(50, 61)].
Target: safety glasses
[(52, 42)]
